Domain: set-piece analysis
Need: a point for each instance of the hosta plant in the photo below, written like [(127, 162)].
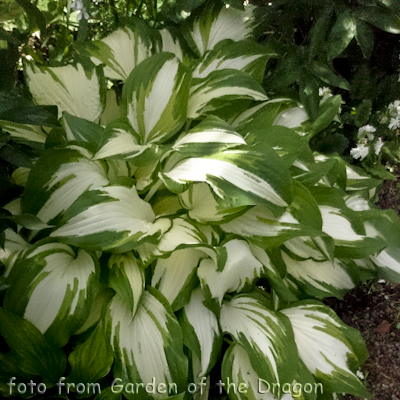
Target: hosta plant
[(184, 233)]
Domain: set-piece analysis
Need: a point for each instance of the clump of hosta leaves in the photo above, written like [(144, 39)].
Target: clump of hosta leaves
[(190, 213)]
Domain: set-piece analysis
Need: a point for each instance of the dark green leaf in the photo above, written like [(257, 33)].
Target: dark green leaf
[(327, 112), (28, 221), (394, 5), (365, 38), (32, 115), (328, 75), (34, 14), (238, 4), (84, 130), (15, 156), (380, 17), (92, 359), (286, 73), (34, 353), (318, 31), (188, 5), (309, 96), (341, 35)]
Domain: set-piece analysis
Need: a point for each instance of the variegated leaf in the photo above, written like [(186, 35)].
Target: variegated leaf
[(63, 87), (148, 347), (246, 384), (126, 277), (240, 271), (201, 332), (175, 276), (113, 217), (24, 132), (202, 206), (14, 246), (120, 143), (238, 178), (216, 24), (265, 335), (171, 44), (245, 56), (58, 179), (210, 93), (57, 289), (155, 97), (122, 50), (387, 262), (292, 117), (328, 347), (320, 278), (211, 136), (265, 229)]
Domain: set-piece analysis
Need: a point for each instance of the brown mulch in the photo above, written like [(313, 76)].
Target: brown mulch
[(374, 309)]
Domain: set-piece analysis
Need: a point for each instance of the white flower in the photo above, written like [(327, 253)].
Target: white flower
[(367, 130), (359, 152), (395, 123), (77, 5), (322, 91), (394, 108), (360, 374), (378, 145)]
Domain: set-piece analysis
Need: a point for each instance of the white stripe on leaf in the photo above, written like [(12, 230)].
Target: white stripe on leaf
[(140, 343), (201, 332), (240, 271), (63, 87)]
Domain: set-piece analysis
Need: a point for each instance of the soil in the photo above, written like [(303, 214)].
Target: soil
[(374, 309)]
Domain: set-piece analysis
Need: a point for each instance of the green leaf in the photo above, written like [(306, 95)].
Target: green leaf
[(45, 115), (34, 14), (328, 110), (365, 38), (155, 96), (308, 92), (92, 359), (392, 4), (188, 5), (341, 34), (318, 31), (82, 130), (328, 75), (380, 17), (35, 355)]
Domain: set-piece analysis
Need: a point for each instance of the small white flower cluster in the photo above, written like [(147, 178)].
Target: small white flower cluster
[(77, 5), (366, 135), (394, 110)]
